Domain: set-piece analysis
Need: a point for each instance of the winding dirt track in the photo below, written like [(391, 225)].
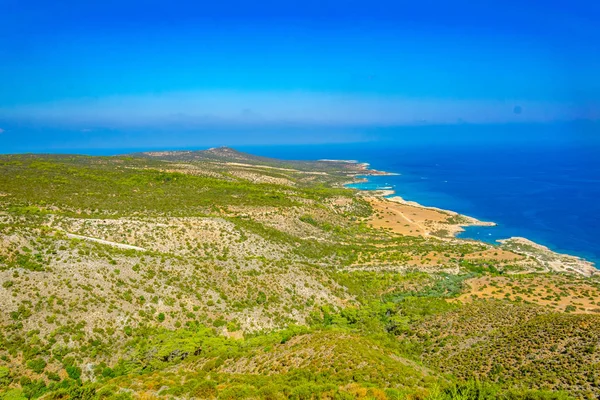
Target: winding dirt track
[(115, 244)]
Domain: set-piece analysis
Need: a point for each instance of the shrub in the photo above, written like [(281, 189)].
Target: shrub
[(74, 372), (238, 392), (36, 365), (5, 377), (14, 394)]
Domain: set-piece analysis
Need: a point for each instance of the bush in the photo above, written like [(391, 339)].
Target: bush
[(74, 372), (34, 389), (36, 365), (205, 389), (13, 394), (238, 392), (53, 376), (5, 377)]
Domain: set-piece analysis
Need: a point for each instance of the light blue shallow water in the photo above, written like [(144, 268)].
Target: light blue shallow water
[(544, 185), (547, 193)]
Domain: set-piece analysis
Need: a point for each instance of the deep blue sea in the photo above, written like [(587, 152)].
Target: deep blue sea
[(541, 182), (549, 193)]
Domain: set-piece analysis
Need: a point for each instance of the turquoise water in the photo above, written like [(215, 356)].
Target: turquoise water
[(543, 186), (548, 193), (489, 234)]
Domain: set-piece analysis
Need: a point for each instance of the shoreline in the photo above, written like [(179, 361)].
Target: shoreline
[(552, 260)]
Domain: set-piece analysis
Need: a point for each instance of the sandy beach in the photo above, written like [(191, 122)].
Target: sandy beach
[(412, 219), (409, 218)]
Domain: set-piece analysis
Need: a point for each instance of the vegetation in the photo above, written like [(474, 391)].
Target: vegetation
[(217, 274)]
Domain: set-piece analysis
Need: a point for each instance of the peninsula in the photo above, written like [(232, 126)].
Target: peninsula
[(219, 274)]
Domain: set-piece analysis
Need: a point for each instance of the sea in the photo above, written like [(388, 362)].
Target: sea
[(548, 193), (540, 182)]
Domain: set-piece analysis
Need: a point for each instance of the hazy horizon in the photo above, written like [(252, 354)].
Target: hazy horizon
[(119, 74)]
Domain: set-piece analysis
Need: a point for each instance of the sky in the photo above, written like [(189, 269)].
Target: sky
[(135, 74)]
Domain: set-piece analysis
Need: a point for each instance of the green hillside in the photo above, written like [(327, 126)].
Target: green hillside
[(217, 274)]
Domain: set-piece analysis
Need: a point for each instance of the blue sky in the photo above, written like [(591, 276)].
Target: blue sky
[(102, 74)]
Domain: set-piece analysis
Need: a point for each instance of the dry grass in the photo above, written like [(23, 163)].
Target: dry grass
[(553, 291)]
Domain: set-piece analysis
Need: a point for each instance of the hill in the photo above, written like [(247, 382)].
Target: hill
[(218, 274)]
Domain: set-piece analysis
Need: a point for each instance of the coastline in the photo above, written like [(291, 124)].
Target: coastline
[(551, 260)]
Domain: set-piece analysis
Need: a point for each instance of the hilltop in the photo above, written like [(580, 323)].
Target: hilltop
[(227, 154), (217, 273)]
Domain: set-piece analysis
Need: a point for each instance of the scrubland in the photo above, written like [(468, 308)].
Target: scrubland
[(217, 274)]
